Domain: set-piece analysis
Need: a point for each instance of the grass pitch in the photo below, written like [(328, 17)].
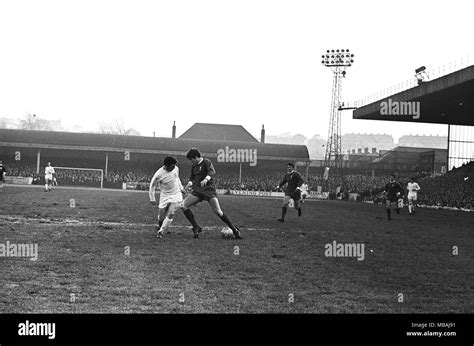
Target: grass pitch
[(102, 256)]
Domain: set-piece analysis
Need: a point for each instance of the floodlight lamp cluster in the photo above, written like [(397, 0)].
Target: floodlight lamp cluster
[(337, 57), (421, 75)]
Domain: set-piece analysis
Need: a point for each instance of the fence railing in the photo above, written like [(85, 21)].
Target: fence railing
[(433, 73)]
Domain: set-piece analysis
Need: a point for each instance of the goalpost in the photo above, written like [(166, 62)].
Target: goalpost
[(100, 171)]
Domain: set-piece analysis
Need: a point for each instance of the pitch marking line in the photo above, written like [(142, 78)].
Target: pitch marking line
[(17, 219)]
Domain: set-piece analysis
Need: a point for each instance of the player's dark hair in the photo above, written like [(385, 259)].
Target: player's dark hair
[(193, 153), (290, 164), (169, 160)]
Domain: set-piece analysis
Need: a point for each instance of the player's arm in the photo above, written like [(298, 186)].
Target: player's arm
[(151, 190), (180, 186), (282, 183), (300, 181), (399, 190), (192, 176), (210, 172)]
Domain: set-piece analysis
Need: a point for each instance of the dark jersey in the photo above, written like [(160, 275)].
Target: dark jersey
[(392, 189), (293, 180), (200, 171)]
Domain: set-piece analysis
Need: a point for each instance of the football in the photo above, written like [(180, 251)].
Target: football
[(227, 233)]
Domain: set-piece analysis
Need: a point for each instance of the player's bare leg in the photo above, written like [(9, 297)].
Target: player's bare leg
[(284, 208), (298, 207), (188, 202), (161, 218), (399, 204), (214, 202), (388, 205), (411, 206), (172, 207)]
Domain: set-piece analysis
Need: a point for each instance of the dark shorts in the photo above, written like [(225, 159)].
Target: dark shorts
[(296, 195), (206, 193), (392, 199)]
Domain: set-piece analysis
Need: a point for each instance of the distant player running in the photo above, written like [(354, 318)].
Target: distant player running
[(48, 177), (203, 189), (304, 192), (293, 192), (3, 172), (171, 189), (413, 189), (393, 192)]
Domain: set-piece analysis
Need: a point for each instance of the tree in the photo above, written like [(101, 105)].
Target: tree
[(33, 123), (115, 127)]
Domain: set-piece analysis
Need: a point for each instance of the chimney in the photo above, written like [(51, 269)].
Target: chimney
[(359, 151), (262, 135), (173, 132), (374, 150), (366, 150), (353, 151)]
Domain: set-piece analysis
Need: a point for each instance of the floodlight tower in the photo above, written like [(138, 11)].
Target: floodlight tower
[(338, 60)]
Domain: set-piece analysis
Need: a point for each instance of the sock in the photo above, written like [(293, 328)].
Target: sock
[(388, 213), (409, 208), (283, 212), (226, 220), (190, 216), (45, 186), (166, 224)]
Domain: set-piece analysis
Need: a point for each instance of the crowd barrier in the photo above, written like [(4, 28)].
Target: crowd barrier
[(18, 180)]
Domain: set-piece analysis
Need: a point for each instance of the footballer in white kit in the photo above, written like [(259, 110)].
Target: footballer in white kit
[(171, 189), (413, 189), (304, 192), (48, 177)]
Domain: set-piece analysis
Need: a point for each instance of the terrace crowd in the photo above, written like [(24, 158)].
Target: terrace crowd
[(454, 189)]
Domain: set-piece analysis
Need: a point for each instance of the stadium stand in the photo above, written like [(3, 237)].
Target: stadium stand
[(454, 189)]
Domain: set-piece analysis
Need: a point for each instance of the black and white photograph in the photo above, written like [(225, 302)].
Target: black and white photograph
[(236, 167)]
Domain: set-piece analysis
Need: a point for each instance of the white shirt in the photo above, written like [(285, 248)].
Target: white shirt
[(169, 183), (412, 188), (48, 172)]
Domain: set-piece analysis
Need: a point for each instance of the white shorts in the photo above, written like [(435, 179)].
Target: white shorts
[(412, 196), (167, 199)]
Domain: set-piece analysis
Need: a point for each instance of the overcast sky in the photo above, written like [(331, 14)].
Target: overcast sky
[(234, 62)]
